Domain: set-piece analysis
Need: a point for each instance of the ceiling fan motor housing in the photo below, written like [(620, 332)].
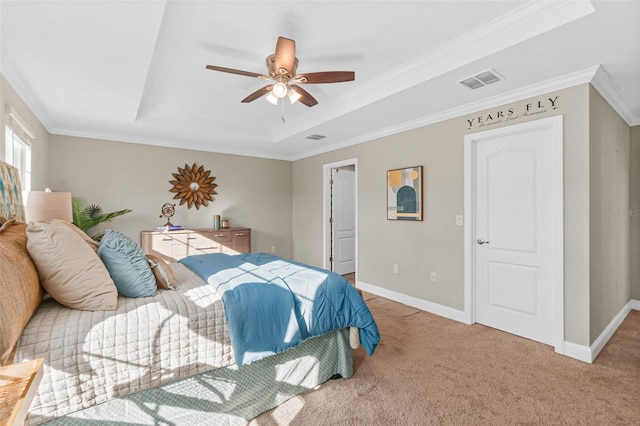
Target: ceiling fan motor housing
[(271, 66)]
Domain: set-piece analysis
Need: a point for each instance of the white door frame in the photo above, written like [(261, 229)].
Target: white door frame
[(556, 123), (326, 209)]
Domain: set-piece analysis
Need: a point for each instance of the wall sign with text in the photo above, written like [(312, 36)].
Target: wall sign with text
[(530, 109)]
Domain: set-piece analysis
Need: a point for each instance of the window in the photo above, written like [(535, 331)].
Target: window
[(17, 149)]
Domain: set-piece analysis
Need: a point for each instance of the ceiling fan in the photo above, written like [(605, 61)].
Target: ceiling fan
[(282, 67)]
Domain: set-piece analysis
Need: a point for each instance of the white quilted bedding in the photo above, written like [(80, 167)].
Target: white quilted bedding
[(92, 357)]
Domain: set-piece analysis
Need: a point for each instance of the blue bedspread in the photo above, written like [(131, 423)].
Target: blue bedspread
[(272, 304)]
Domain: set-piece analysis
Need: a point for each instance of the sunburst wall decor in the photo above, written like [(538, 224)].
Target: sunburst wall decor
[(193, 185)]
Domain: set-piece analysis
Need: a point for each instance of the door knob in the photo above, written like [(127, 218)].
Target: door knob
[(482, 242)]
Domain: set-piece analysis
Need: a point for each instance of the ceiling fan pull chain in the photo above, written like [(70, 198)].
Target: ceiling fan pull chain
[(281, 102)]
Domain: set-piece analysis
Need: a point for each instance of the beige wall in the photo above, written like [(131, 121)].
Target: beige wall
[(634, 205), (436, 244), (39, 144), (280, 200), (610, 213), (252, 192)]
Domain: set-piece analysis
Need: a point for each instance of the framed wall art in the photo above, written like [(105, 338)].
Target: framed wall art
[(404, 193)]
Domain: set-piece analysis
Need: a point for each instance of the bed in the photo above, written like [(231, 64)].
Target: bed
[(138, 350)]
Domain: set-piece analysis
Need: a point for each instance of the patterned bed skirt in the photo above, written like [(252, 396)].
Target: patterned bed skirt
[(230, 395)]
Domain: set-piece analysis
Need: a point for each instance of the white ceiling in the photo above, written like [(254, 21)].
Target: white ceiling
[(134, 71)]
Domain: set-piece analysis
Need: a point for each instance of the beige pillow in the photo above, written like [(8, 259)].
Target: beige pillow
[(163, 273), (92, 243), (70, 271), (19, 287)]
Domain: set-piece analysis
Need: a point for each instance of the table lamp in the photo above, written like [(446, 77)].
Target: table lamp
[(44, 206)]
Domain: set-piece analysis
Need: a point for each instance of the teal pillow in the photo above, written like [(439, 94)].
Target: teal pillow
[(127, 264)]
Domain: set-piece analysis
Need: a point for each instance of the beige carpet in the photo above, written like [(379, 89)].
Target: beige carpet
[(428, 370)]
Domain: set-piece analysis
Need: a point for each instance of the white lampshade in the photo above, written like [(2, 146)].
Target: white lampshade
[(272, 99), (43, 206), (279, 90), (293, 96)]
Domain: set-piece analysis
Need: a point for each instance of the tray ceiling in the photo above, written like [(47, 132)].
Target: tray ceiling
[(134, 71)]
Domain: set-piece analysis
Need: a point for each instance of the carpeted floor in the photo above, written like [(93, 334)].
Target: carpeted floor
[(429, 370)]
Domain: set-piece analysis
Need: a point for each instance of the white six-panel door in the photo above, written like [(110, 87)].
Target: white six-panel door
[(517, 225)]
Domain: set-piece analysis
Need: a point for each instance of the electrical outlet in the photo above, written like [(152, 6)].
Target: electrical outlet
[(434, 277), (273, 249), (459, 220), (395, 268)]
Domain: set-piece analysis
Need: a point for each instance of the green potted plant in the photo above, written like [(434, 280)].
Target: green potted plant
[(86, 216)]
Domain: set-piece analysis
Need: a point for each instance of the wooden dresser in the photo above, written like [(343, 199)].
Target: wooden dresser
[(174, 245)]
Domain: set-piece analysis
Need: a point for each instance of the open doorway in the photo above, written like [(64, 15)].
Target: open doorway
[(340, 217)]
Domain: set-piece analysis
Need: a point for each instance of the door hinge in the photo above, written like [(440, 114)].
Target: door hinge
[(331, 220), (331, 259)]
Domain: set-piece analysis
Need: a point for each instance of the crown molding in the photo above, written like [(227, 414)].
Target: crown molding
[(171, 143), (566, 81), (607, 88), (528, 21), (12, 78), (595, 75)]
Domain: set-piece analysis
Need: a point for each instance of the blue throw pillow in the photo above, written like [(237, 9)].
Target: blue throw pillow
[(127, 264)]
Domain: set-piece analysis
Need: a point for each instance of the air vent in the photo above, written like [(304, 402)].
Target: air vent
[(316, 137), (480, 80)]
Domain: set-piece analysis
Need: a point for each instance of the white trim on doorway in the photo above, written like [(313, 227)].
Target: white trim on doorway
[(556, 123), (326, 206)]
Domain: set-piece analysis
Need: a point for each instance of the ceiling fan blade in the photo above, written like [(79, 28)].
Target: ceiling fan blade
[(234, 71), (285, 55), (325, 77), (305, 97), (258, 93)]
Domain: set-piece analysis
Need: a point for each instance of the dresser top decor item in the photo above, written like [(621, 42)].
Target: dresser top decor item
[(168, 210), (193, 186)]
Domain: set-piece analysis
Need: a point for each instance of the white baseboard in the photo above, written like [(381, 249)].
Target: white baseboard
[(589, 353), (434, 308), (606, 334), (570, 349), (575, 351)]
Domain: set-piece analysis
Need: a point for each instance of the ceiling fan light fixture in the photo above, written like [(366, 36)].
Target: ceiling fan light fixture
[(272, 98), (281, 67), (279, 90), (293, 96)]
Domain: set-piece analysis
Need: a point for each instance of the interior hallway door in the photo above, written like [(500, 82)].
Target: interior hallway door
[(343, 220), (516, 230)]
